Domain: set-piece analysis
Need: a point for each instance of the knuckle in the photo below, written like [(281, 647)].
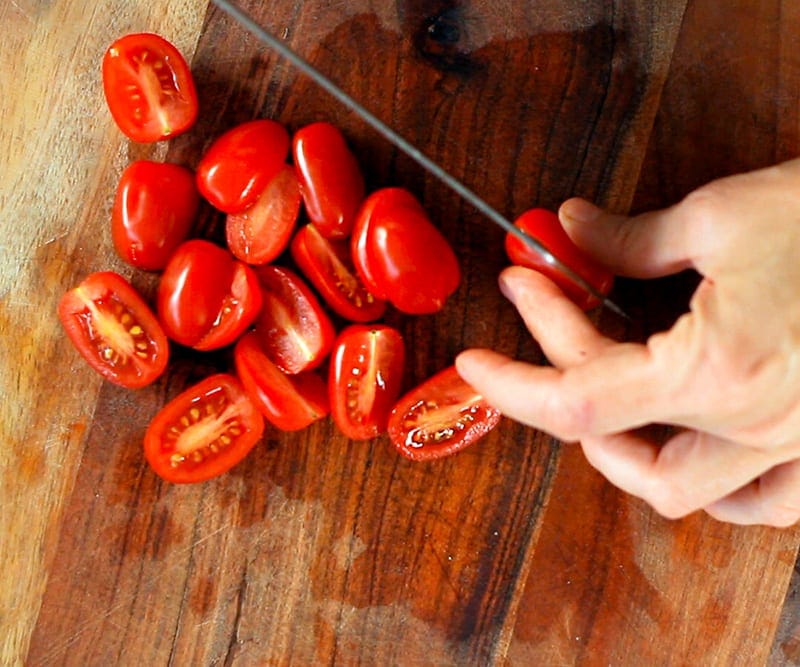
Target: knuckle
[(669, 499), (570, 415)]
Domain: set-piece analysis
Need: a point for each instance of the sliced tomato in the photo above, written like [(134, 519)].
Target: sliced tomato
[(328, 266), (206, 297), (330, 178), (261, 233), (114, 329), (294, 330), (203, 432), (545, 227), (155, 206), (241, 162), (440, 417), (288, 402), (148, 87), (366, 372)]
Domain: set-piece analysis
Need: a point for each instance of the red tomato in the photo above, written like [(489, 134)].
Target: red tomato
[(440, 417), (114, 329), (206, 297), (365, 375), (203, 432), (289, 402), (546, 228), (241, 162), (329, 267), (402, 256), (261, 233), (330, 178), (149, 87), (295, 332), (153, 211)]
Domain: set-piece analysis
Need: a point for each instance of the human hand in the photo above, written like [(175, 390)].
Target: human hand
[(727, 372)]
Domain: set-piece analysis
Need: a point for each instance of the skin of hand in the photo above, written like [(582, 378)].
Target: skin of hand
[(727, 373)]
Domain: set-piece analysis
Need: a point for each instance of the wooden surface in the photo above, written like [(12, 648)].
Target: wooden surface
[(316, 550)]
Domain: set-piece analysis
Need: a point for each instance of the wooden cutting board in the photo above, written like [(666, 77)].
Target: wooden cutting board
[(317, 550)]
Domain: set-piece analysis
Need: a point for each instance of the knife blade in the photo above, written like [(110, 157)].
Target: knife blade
[(268, 39)]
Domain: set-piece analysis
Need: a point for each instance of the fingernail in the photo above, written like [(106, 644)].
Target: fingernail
[(508, 286), (579, 210)]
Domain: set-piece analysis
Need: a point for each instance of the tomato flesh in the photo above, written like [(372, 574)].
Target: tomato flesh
[(440, 417), (114, 330), (203, 432), (149, 88)]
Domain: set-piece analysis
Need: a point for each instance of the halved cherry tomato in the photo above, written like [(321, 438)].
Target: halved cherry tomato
[(330, 178), (241, 162), (365, 376), (153, 211), (440, 417), (148, 87), (289, 402), (401, 256), (203, 432), (328, 266), (261, 233), (546, 228), (114, 329), (206, 297), (295, 332)]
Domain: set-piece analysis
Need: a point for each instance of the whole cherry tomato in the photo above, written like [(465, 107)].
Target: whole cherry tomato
[(206, 297), (203, 432), (329, 267), (241, 162), (261, 233), (401, 256), (295, 332), (546, 228), (288, 402), (113, 328), (153, 211), (440, 417), (365, 375), (330, 178), (148, 87)]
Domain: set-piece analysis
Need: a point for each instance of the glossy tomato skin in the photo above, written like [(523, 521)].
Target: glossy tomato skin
[(440, 417), (289, 403), (330, 178), (545, 227), (294, 330), (241, 162), (114, 330), (203, 432), (149, 88), (206, 298), (259, 234), (329, 267), (402, 256), (154, 209), (365, 377)]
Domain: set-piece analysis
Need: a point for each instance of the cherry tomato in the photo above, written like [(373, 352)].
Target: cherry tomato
[(148, 87), (330, 178), (288, 402), (241, 163), (206, 297), (365, 375), (295, 332), (329, 267), (546, 228), (401, 256), (261, 233), (113, 328), (203, 432), (153, 212), (440, 417)]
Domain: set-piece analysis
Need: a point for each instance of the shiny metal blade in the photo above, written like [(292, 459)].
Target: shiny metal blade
[(409, 149)]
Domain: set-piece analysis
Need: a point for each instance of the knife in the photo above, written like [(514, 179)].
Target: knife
[(267, 38)]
